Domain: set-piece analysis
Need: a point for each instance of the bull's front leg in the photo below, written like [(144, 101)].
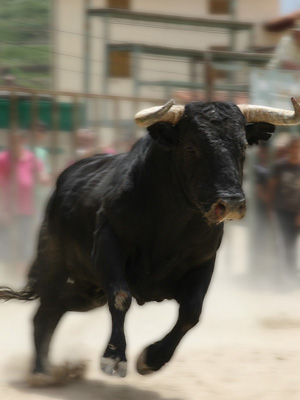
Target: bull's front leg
[(110, 260), (190, 296)]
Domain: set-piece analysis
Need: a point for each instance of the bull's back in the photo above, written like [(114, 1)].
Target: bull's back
[(72, 209), (80, 188), (66, 235)]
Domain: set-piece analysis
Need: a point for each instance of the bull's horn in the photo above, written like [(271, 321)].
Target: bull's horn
[(166, 113), (271, 115)]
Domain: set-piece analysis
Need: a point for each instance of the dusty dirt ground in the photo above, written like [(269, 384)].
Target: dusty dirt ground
[(246, 347)]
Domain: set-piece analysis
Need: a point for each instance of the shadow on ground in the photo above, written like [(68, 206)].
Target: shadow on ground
[(90, 390)]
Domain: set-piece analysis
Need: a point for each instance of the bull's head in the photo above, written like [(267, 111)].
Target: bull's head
[(208, 142)]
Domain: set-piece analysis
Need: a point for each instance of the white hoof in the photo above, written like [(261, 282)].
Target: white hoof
[(114, 367)]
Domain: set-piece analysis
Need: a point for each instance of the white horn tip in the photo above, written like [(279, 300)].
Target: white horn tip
[(142, 117), (171, 102), (295, 104)]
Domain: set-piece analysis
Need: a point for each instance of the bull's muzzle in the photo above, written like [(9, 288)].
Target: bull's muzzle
[(229, 208)]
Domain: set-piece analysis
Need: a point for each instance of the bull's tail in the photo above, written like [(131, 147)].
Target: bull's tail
[(26, 294)]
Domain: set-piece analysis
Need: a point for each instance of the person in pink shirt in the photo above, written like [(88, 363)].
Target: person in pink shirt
[(20, 170)]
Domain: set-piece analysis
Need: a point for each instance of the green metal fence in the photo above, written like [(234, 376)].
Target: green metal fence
[(65, 120)]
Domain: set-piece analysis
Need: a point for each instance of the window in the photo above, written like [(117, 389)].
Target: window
[(119, 64), (123, 4), (219, 6)]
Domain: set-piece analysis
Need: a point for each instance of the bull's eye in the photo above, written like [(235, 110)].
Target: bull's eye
[(190, 149)]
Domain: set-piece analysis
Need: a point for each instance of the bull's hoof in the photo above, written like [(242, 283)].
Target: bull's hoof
[(141, 366), (58, 375), (114, 367)]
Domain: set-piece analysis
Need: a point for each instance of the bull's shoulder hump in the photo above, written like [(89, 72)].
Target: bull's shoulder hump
[(88, 168)]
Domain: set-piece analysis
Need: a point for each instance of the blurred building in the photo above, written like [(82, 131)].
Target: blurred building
[(282, 23), (275, 85), (158, 48)]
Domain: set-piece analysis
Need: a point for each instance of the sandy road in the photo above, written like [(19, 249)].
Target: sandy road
[(246, 347)]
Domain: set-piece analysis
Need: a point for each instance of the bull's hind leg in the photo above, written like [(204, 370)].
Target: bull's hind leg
[(44, 323), (49, 277), (70, 298)]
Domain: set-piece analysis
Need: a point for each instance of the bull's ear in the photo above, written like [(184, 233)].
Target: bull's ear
[(163, 134), (259, 131)]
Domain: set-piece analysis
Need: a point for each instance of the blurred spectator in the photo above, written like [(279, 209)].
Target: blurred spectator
[(260, 266), (280, 152), (9, 80), (39, 150), (287, 53), (86, 144), (284, 197), (19, 171), (108, 150), (261, 170)]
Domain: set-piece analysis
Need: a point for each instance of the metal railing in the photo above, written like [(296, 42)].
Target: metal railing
[(61, 114)]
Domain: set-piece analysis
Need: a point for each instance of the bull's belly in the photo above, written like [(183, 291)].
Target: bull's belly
[(150, 276), (144, 294), (146, 287), (157, 279)]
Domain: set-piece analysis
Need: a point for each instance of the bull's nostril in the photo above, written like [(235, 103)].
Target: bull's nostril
[(242, 206), (220, 208), (230, 208)]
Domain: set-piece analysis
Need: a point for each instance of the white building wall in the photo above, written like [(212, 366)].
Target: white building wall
[(69, 20), (68, 25)]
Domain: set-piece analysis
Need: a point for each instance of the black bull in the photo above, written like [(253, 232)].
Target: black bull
[(146, 224)]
